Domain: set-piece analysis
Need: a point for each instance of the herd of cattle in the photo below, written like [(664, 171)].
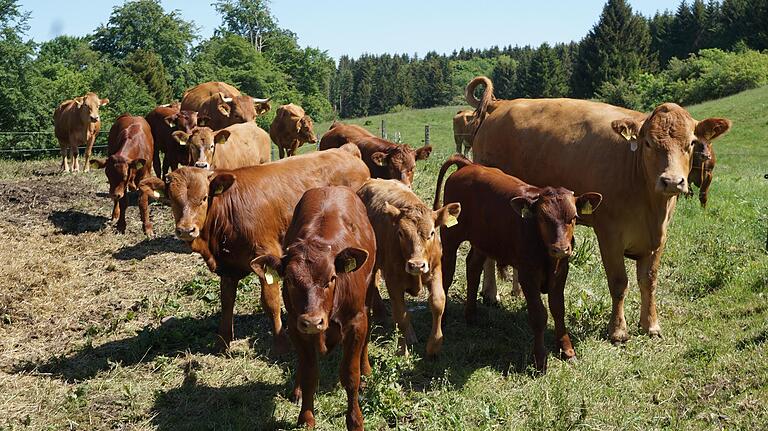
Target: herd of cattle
[(327, 222)]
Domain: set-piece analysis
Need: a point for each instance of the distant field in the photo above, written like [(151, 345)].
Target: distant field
[(100, 331)]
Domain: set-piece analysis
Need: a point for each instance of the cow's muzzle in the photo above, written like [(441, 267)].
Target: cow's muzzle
[(672, 185), (559, 252), (417, 266), (311, 324), (94, 119), (187, 233)]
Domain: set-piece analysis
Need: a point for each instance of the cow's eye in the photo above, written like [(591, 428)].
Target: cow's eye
[(400, 233), (331, 282), (432, 234)]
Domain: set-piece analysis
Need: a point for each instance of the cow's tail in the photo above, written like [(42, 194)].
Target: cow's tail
[(456, 159), (481, 104)]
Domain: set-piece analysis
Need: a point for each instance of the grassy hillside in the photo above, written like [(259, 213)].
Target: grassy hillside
[(119, 331)]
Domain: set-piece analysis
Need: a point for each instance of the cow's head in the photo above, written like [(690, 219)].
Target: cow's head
[(120, 173), (400, 161), (184, 121), (555, 210), (305, 132), (88, 106), (666, 141), (239, 109), (701, 169), (190, 191), (311, 273), (201, 145), (416, 226)]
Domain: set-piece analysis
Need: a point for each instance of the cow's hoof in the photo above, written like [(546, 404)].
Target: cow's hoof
[(655, 333), (434, 348), (149, 234)]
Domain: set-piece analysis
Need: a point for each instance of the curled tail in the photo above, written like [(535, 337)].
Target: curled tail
[(456, 159), (480, 105)]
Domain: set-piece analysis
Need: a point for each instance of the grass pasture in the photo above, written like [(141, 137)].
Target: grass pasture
[(100, 331)]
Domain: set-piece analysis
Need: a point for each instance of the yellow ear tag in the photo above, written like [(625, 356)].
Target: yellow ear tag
[(139, 165), (626, 134), (219, 190), (350, 265), (525, 213), (271, 275), (587, 208), (451, 221), (157, 194), (171, 124)]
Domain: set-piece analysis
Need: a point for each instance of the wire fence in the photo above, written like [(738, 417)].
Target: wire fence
[(30, 144)]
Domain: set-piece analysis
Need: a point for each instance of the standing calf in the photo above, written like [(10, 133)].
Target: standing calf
[(77, 122), (330, 250), (513, 223), (408, 251), (236, 146), (164, 121)]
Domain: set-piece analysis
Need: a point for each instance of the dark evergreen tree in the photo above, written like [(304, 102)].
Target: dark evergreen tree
[(504, 78)]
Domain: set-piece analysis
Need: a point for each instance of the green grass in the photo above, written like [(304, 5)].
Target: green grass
[(709, 371)]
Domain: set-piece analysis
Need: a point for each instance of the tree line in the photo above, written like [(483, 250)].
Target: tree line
[(144, 56)]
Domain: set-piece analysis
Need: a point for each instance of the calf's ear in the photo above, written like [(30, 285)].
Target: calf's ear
[(98, 164), (423, 152), (711, 128), (379, 158), (103, 102), (523, 205), (588, 202), (138, 164), (78, 101), (181, 137), (221, 137), (220, 183), (392, 211), (350, 260), (448, 215), (224, 109), (153, 186), (268, 267), (171, 120)]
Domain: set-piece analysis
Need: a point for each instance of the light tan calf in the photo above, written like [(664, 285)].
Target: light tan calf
[(237, 146)]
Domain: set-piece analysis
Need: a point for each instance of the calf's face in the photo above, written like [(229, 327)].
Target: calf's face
[(240, 109), (201, 145), (311, 273), (415, 227), (120, 173), (555, 211), (400, 161)]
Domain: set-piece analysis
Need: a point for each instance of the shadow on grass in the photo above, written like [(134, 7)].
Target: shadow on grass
[(72, 222), (198, 407), (150, 247)]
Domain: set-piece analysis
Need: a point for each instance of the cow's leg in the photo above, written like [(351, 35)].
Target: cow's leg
[(459, 144), (437, 306), (307, 376), (123, 203), (475, 260), (281, 150), (448, 261), (64, 151), (537, 317), (517, 291), (75, 157), (647, 272), (349, 372), (270, 301), (228, 286), (556, 298), (490, 292), (378, 308), (704, 189), (157, 165), (88, 152), (612, 254), (400, 314), (115, 210), (144, 213)]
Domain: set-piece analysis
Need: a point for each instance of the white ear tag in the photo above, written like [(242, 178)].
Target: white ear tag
[(633, 146), (451, 221), (157, 194)]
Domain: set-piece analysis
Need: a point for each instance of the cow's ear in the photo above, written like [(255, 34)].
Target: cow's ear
[(221, 137), (224, 109), (261, 106), (153, 186), (628, 128), (379, 158), (588, 203), (392, 211), (98, 164), (268, 267), (711, 128), (350, 260), (103, 102), (171, 120), (523, 205), (79, 101), (138, 164), (220, 183), (448, 215), (181, 137), (423, 152), (203, 120)]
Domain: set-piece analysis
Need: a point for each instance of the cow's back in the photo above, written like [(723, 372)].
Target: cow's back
[(197, 96), (247, 145), (341, 134), (131, 137)]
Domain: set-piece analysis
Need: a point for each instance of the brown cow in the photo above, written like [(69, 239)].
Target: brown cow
[(290, 129), (385, 159), (230, 217), (76, 122), (638, 162), (701, 170), (463, 127), (408, 251), (330, 251), (236, 146), (164, 120), (130, 151), (514, 223), (220, 105)]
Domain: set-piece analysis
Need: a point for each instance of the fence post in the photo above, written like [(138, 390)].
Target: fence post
[(426, 134), (383, 129)]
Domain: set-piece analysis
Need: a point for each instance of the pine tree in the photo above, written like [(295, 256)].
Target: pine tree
[(504, 78), (148, 69), (546, 77)]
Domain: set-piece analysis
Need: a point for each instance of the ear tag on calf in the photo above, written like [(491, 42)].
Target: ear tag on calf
[(526, 213), (270, 275), (587, 208), (451, 221), (139, 165), (171, 124), (633, 146), (350, 265), (219, 190), (626, 134)]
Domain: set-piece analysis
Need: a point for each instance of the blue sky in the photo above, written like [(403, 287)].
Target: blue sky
[(348, 27)]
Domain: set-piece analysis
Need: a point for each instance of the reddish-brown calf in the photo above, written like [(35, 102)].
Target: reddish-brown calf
[(164, 121)]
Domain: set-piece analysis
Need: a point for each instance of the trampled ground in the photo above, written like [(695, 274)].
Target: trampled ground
[(102, 331)]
